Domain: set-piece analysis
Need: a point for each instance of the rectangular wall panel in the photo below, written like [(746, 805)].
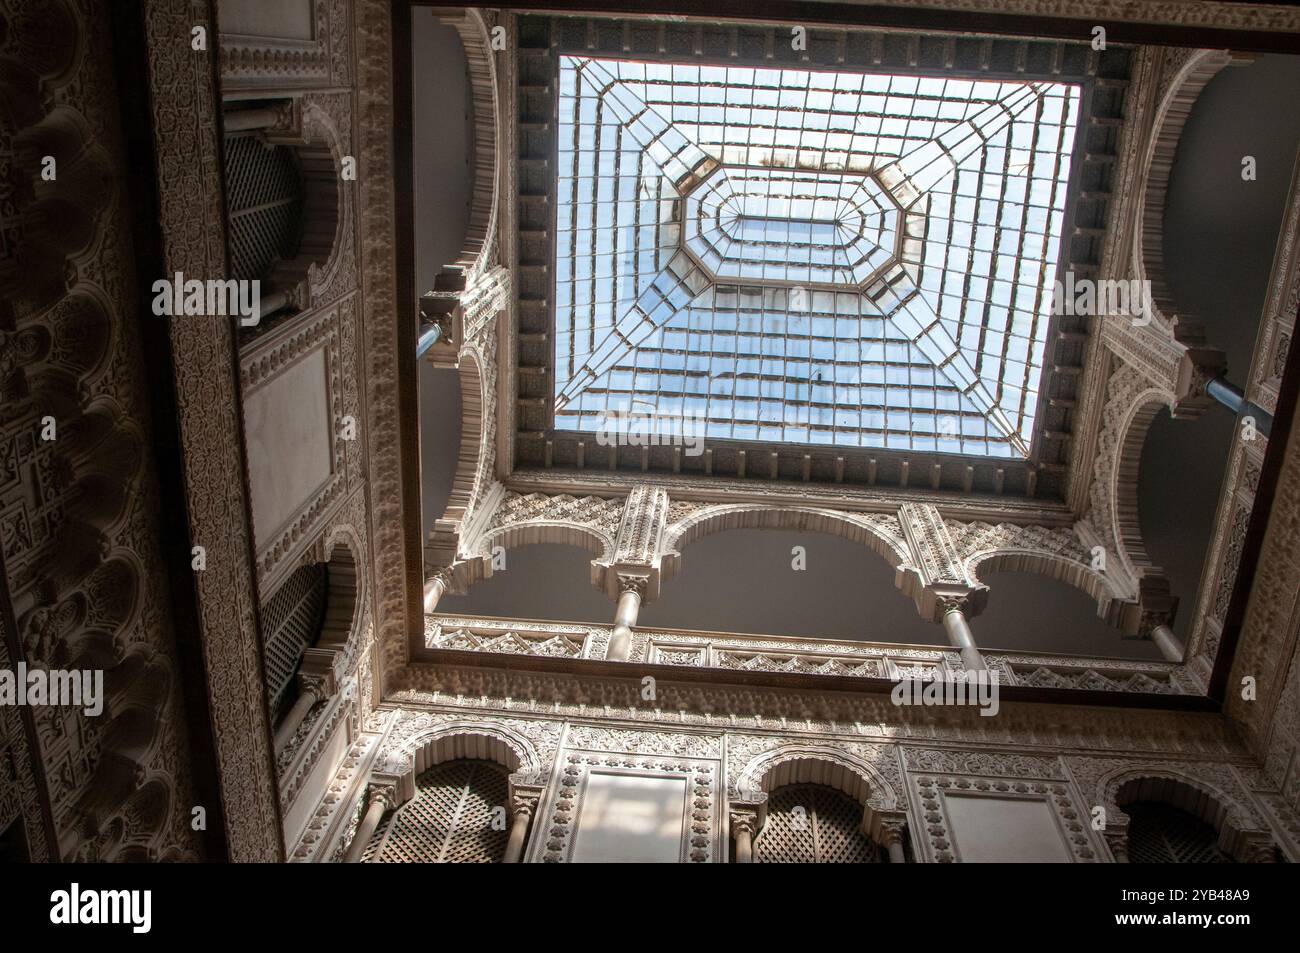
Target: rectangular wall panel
[(1005, 830), (629, 818)]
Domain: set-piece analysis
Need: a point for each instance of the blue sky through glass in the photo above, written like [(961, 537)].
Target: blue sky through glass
[(810, 257)]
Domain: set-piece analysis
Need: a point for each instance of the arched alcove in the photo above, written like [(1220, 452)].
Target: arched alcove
[(1160, 833), (814, 823), (455, 816), (291, 623)]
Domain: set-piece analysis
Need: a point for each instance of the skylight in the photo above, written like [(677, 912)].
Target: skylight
[(846, 259)]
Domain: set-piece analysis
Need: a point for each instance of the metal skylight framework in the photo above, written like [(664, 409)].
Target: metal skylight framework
[(811, 257)]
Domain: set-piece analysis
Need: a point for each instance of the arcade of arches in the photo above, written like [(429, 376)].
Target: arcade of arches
[(369, 577)]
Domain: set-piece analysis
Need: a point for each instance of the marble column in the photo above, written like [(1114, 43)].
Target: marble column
[(271, 303), (1171, 647), (315, 683), (744, 824), (307, 698), (1231, 396), (380, 800), (522, 808), (630, 594), (891, 836), (247, 120), (959, 634), (433, 591)]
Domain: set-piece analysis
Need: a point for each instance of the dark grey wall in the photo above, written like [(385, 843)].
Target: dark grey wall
[(441, 137), (1220, 234)]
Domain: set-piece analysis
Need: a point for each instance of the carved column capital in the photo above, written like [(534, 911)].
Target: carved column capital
[(382, 793), (744, 820), (317, 673), (630, 583), (524, 794), (1196, 369), (950, 602), (936, 602), (887, 827)]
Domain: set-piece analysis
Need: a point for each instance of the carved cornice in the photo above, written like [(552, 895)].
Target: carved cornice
[(728, 490), (1051, 728)]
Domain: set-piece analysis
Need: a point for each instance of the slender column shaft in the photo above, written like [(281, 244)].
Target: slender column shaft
[(518, 835), (1165, 639), (1232, 397), (429, 336), (366, 829), (270, 304), (433, 590), (620, 643), (1226, 393), (242, 120), (744, 846), (292, 720), (960, 637), (895, 848)]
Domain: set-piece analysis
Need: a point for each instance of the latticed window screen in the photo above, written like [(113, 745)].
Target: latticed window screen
[(813, 824), (1162, 834), (264, 200), (451, 818), (291, 621)]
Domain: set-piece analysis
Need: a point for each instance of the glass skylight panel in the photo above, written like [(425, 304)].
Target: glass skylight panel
[(824, 258)]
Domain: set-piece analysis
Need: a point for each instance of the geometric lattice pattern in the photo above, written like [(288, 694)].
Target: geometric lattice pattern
[(450, 818), (814, 824), (1161, 834), (291, 622), (264, 204), (809, 257)]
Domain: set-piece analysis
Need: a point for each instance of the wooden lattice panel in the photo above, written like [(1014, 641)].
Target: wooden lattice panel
[(813, 824), (1161, 834), (291, 621), (450, 818), (264, 203)]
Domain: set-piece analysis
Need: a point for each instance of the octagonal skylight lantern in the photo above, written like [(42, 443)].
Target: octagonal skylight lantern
[(837, 258)]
